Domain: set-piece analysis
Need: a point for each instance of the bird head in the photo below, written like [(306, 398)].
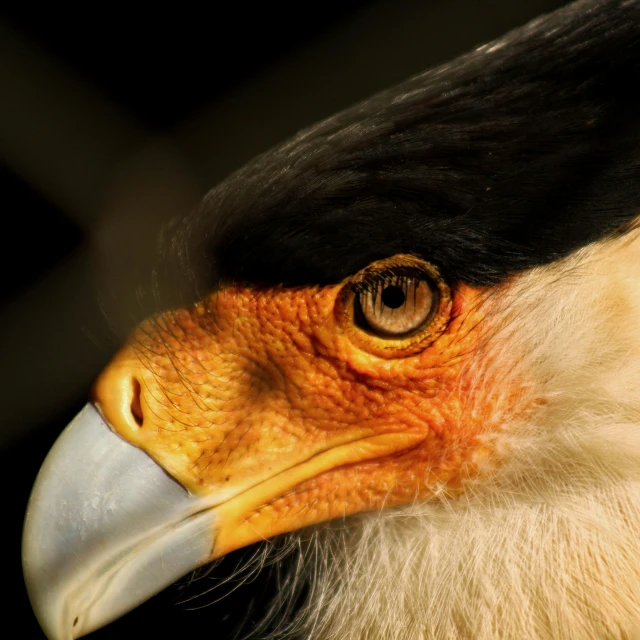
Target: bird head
[(419, 317), (288, 407)]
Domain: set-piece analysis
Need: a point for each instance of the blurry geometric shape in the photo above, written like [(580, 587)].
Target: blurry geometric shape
[(37, 235)]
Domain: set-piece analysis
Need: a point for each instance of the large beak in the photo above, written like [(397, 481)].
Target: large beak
[(106, 528)]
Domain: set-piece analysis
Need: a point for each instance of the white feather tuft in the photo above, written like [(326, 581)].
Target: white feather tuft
[(548, 544)]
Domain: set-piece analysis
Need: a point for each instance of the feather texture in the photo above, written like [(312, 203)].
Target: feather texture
[(547, 545), (511, 157)]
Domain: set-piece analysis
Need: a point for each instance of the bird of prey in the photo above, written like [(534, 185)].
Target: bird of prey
[(419, 319)]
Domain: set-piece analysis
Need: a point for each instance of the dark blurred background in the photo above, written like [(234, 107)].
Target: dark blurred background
[(113, 122)]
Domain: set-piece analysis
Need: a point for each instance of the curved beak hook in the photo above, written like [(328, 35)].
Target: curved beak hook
[(106, 528)]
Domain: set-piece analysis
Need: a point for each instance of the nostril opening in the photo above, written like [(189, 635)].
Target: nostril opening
[(136, 407), (75, 622)]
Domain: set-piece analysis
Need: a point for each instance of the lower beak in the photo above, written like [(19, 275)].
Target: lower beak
[(106, 528)]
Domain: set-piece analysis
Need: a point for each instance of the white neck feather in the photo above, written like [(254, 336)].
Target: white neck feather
[(549, 545)]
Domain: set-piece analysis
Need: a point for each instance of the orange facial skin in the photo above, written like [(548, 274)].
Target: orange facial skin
[(279, 406)]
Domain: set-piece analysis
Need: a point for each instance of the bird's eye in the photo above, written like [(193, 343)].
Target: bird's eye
[(396, 305)]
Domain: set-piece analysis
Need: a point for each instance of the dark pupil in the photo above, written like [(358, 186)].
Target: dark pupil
[(393, 297)]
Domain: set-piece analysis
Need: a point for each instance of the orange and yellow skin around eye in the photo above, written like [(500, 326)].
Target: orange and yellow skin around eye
[(276, 404)]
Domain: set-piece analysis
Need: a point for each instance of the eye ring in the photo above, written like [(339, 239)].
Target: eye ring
[(415, 337)]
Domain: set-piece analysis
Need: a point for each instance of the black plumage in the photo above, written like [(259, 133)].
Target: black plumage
[(510, 157)]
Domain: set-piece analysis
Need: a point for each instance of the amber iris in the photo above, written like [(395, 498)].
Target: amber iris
[(397, 305)]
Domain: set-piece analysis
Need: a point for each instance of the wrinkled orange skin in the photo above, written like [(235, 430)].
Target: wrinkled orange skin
[(248, 383)]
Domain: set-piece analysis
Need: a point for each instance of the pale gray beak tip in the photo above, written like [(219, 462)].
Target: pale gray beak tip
[(106, 528)]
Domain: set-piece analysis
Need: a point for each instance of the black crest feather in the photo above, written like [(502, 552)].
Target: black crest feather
[(510, 157)]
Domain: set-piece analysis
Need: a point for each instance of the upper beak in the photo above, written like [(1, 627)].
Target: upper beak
[(106, 528)]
